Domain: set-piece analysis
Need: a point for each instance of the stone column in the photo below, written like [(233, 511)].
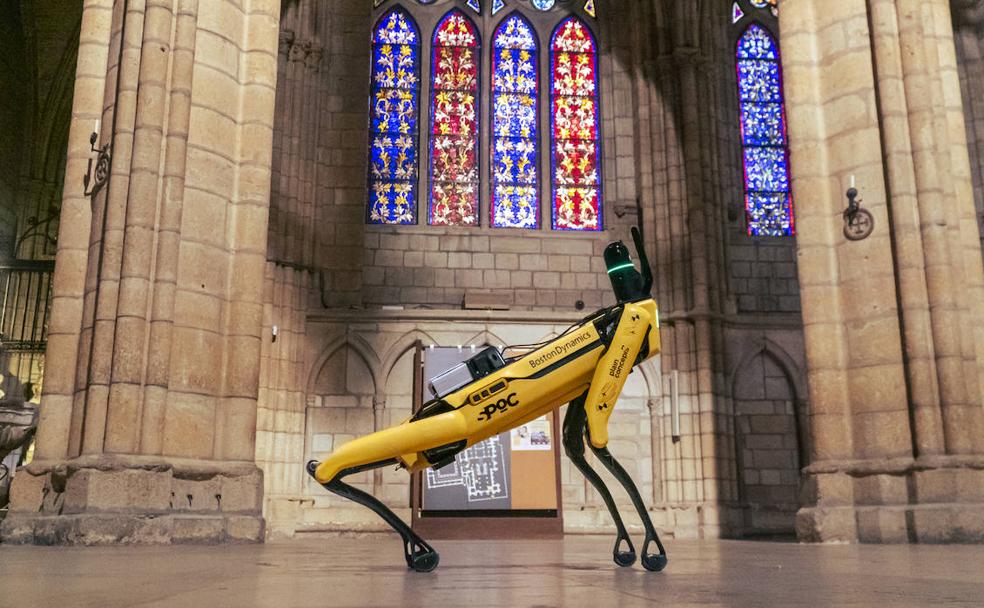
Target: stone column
[(890, 321), (149, 415)]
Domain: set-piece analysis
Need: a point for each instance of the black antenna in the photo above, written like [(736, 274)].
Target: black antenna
[(647, 272)]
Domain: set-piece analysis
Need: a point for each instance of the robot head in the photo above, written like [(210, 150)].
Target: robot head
[(627, 283)]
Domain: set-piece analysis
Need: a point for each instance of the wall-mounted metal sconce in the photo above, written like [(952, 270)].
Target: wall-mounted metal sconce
[(858, 222), (101, 174)]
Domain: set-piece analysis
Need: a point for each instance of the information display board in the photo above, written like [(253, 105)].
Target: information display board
[(511, 475)]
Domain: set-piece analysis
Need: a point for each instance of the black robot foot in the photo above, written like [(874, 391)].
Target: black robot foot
[(624, 558), (425, 562), (654, 563), (624, 553)]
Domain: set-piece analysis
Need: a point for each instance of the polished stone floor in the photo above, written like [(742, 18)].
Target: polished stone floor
[(577, 571)]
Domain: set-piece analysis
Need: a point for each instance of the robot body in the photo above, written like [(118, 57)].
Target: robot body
[(587, 367)]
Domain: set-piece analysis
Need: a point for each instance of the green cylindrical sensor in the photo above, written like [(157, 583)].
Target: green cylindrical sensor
[(626, 280)]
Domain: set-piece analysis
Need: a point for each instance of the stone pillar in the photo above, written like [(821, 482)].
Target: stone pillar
[(892, 322), (148, 418)]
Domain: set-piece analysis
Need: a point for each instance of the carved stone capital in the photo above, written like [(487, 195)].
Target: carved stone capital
[(286, 42), (298, 51), (312, 60)]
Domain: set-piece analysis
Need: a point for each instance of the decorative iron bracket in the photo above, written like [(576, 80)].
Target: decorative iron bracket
[(101, 174), (858, 222)]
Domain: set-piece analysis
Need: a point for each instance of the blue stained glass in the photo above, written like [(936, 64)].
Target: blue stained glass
[(476, 5), (394, 109), (516, 73), (517, 206), (770, 214), (515, 84), (514, 160), (762, 124), (766, 169), (393, 157), (760, 80), (515, 115), (757, 43), (768, 202), (498, 5), (544, 5)]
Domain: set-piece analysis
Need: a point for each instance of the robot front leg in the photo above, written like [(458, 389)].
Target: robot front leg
[(574, 436), (419, 555), (650, 561)]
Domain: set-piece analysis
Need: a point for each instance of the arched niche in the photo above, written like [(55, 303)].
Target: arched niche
[(769, 417)]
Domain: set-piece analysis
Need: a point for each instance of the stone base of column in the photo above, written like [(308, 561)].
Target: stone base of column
[(135, 500), (929, 500)]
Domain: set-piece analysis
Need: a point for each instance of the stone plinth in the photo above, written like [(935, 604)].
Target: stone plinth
[(133, 500), (932, 500)]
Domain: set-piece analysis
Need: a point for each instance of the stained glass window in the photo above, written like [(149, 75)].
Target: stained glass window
[(772, 5), (575, 158), (475, 5), (515, 184), (768, 201), (454, 122), (498, 5), (394, 115)]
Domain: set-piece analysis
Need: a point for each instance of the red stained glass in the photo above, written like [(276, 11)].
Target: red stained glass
[(454, 128), (575, 163), (574, 117), (574, 74), (574, 108), (577, 209)]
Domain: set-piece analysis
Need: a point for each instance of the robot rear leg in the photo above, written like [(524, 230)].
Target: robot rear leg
[(420, 556)]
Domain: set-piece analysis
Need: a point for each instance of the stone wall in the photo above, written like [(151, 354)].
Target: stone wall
[(148, 420), (970, 63), (37, 72), (670, 164), (893, 322), (13, 99)]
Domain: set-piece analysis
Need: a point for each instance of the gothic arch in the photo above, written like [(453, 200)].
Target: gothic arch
[(360, 347), (398, 349), (750, 492), (767, 347), (486, 338)]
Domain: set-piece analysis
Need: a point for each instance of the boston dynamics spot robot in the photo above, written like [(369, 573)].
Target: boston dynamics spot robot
[(586, 367)]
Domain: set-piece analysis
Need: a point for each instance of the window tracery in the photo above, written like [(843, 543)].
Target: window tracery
[(454, 122), (575, 153), (457, 177), (765, 152), (393, 123)]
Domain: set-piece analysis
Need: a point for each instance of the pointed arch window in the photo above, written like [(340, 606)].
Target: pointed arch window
[(515, 85), (542, 117), (575, 155), (454, 122), (393, 123), (765, 151)]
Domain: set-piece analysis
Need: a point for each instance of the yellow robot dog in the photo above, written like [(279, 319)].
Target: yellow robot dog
[(587, 366)]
